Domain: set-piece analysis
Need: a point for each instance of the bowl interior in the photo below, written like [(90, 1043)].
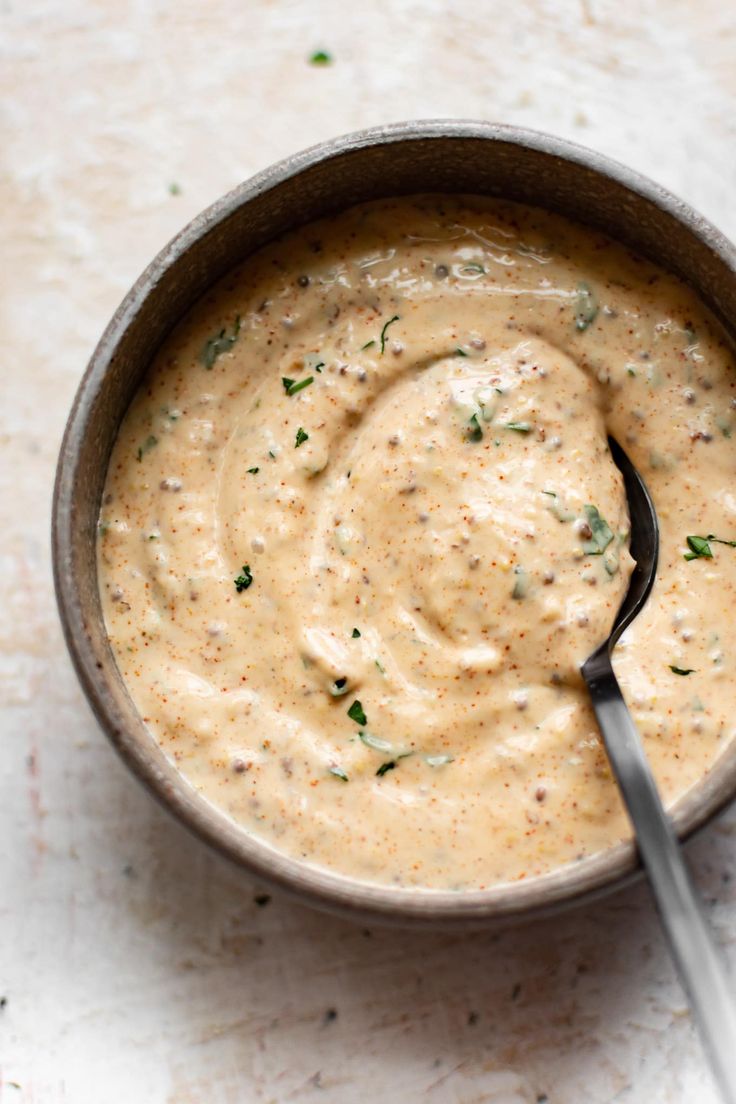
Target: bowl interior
[(471, 158)]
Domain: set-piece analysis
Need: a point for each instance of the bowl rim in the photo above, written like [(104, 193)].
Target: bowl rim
[(410, 906)]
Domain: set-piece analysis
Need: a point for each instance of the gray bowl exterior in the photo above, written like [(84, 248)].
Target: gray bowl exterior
[(442, 156)]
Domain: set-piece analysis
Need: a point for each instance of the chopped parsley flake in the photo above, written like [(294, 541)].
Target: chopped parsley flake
[(220, 344), (475, 430), (601, 533), (320, 57), (253, 471), (699, 547), (380, 666), (586, 307), (339, 773), (385, 328), (242, 582), (355, 713), (519, 427), (291, 387), (355, 634), (682, 670), (148, 444), (301, 437), (318, 368), (386, 767), (460, 352), (367, 345)]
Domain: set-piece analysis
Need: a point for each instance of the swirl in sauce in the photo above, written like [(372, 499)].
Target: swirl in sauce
[(361, 527)]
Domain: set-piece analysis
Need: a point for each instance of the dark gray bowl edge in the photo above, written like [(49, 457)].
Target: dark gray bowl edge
[(593, 877)]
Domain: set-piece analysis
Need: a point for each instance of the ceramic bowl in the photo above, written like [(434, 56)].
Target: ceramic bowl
[(442, 156)]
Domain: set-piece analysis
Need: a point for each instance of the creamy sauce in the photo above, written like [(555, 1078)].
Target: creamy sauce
[(361, 527)]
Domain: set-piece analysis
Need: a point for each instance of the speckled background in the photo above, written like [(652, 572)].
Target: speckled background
[(135, 966)]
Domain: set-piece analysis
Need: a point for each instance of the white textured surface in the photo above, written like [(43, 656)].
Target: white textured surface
[(137, 967)]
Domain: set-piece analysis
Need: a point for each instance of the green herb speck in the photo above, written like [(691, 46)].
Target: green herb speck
[(148, 444), (355, 634), (339, 773), (242, 582), (320, 57), (474, 430), (253, 471), (356, 713), (301, 437), (291, 387), (220, 344), (601, 533), (682, 670), (519, 427), (700, 547), (385, 328), (586, 307), (386, 767)]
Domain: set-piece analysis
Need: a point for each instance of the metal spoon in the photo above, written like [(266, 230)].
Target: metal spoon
[(701, 971)]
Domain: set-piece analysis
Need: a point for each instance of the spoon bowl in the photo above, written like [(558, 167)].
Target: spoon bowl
[(644, 542)]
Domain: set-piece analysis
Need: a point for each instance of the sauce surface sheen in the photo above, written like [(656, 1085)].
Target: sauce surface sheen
[(361, 527)]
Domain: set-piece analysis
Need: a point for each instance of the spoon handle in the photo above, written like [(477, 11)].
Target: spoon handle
[(702, 972)]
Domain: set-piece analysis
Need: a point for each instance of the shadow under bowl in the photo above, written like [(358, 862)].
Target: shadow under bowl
[(435, 156)]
